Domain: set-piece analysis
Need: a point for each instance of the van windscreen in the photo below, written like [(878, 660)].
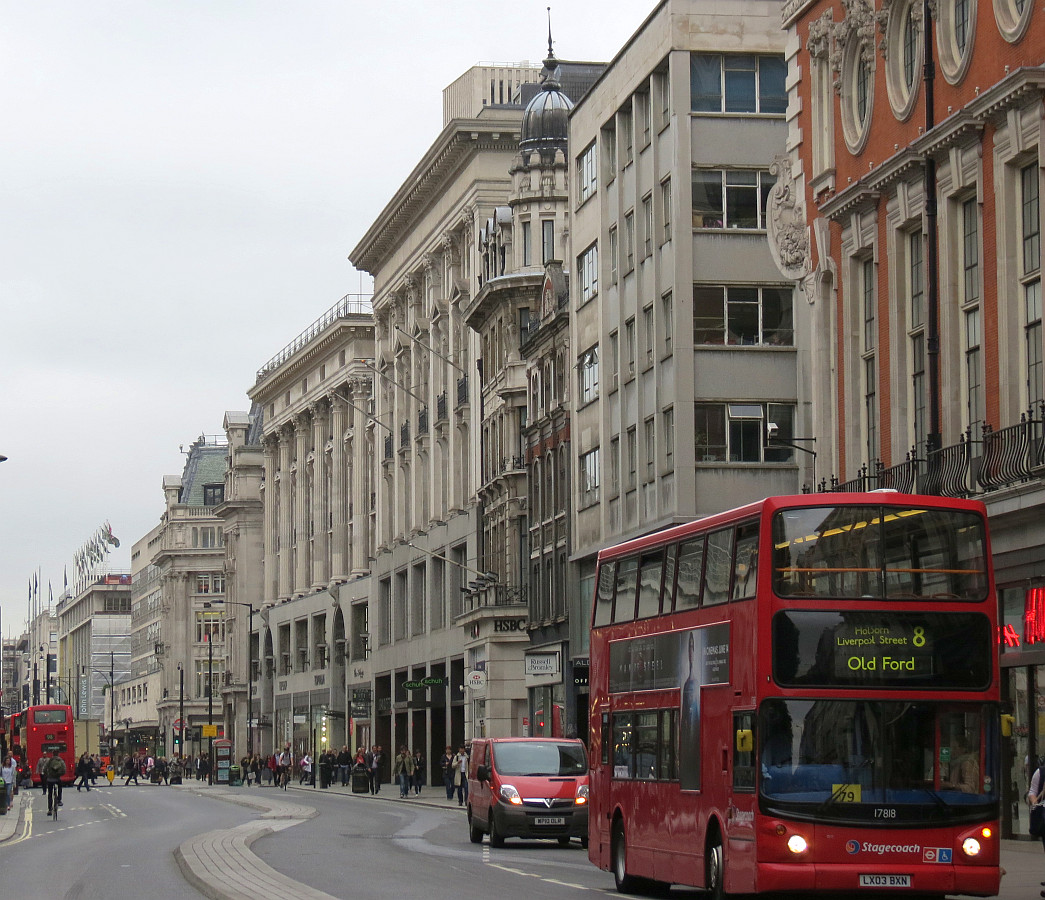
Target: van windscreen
[(539, 758)]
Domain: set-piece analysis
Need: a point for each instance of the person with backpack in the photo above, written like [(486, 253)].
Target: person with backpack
[(53, 770)]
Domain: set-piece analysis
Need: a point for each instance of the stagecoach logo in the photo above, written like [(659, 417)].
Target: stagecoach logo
[(882, 849)]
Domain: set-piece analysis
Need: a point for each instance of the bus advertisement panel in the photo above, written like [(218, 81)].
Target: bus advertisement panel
[(799, 695)]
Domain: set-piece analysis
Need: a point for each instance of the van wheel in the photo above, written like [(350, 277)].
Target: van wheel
[(626, 884), (716, 870), (564, 841), (475, 833), (496, 838), (584, 842)]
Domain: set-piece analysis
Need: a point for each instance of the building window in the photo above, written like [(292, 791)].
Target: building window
[(629, 241), (956, 25), (647, 226), (1030, 272), (632, 450), (857, 93), (649, 333), (667, 322), (588, 375), (615, 466), (588, 266), (742, 316), (737, 83), (589, 477), (1012, 17), (870, 304), (609, 154), (736, 432), (613, 254), (587, 178), (210, 626), (869, 297), (642, 101), (665, 210), (213, 494), (734, 198), (668, 437), (970, 251), (547, 241), (527, 243), (973, 379), (210, 583), (650, 434), (627, 136), (871, 407), (916, 336), (614, 350), (207, 678), (629, 341)]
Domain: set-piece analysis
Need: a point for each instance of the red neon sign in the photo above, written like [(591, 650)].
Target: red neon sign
[(1034, 616)]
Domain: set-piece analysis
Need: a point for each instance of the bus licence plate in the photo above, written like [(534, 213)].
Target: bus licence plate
[(885, 881), (549, 820)]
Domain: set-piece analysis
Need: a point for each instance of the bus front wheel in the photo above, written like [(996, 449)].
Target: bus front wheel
[(626, 884), (715, 878)]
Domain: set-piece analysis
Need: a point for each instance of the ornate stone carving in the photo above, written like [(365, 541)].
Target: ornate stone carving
[(787, 230), (819, 42), (858, 24)]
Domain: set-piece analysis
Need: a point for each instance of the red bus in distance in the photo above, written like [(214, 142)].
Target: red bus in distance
[(36, 730), (799, 695)]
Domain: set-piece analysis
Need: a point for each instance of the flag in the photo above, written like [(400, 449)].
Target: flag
[(65, 572)]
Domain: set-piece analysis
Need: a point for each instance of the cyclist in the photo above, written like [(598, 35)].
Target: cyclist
[(53, 771)]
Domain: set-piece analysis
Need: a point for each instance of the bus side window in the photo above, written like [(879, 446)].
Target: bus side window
[(668, 592), (669, 741), (606, 740), (604, 595), (745, 566), (743, 759), (719, 567), (627, 579), (691, 569), (651, 576)]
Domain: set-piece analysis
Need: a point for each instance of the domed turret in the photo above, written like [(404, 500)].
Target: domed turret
[(545, 123)]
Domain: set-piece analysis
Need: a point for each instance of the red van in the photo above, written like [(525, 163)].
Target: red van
[(528, 787)]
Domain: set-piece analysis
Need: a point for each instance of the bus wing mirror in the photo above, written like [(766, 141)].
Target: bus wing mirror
[(745, 740), (1006, 725)]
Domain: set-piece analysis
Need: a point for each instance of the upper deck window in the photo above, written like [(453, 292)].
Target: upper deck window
[(872, 552), (49, 717)]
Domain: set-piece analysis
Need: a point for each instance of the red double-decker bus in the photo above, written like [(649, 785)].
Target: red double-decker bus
[(799, 695), (37, 730)]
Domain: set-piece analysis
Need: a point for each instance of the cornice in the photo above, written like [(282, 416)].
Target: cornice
[(460, 140), (792, 9), (855, 195), (302, 362)]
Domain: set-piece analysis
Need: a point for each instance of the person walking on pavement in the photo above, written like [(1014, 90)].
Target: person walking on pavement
[(130, 770), (9, 772), (419, 771), (83, 771), (461, 775), (1036, 798), (54, 769), (446, 766), (404, 771), (376, 757), (306, 769), (344, 764)]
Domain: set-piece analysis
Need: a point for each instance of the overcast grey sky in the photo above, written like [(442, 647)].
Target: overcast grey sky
[(180, 186)]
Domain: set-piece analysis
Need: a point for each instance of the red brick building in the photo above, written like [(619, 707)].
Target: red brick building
[(908, 209)]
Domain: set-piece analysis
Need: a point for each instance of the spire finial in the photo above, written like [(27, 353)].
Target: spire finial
[(551, 53)]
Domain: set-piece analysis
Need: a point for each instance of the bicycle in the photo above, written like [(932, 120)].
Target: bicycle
[(53, 793)]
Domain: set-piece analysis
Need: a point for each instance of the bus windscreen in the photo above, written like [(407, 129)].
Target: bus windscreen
[(879, 553)]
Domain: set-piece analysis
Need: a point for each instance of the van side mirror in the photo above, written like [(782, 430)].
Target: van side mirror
[(1007, 722), (482, 773), (745, 740)]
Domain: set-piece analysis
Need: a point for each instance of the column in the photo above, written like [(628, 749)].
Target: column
[(320, 500), (271, 506), (361, 488), (301, 538), (286, 517), (338, 563)]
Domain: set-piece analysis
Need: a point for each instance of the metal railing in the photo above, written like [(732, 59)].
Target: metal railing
[(349, 305), (995, 460)]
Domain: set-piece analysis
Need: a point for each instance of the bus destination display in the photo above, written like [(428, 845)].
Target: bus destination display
[(890, 648)]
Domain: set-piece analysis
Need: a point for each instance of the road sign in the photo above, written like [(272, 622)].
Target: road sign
[(209, 731)]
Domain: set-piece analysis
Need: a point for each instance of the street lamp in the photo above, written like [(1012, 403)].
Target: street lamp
[(112, 693), (181, 711), (250, 669)]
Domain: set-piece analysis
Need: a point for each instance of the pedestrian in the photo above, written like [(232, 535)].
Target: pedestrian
[(83, 771), (40, 763), (96, 768), (344, 764), (404, 771), (160, 769), (446, 766), (420, 767), (285, 763), (1036, 802), (9, 772), (130, 770), (461, 775), (305, 770), (375, 769)]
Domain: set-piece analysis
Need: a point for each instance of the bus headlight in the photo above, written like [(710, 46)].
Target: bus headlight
[(510, 794), (970, 846), (582, 795), (797, 844)]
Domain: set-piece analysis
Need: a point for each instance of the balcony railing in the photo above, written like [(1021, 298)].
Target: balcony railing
[(388, 447), (462, 390), (422, 421), (997, 459), (440, 407)]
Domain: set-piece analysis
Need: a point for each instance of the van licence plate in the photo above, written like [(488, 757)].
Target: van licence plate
[(886, 881), (549, 820)]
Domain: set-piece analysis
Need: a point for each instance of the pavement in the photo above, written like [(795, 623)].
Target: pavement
[(221, 866)]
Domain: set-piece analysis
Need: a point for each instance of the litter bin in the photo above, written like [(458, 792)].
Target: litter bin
[(360, 780), (234, 776)]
